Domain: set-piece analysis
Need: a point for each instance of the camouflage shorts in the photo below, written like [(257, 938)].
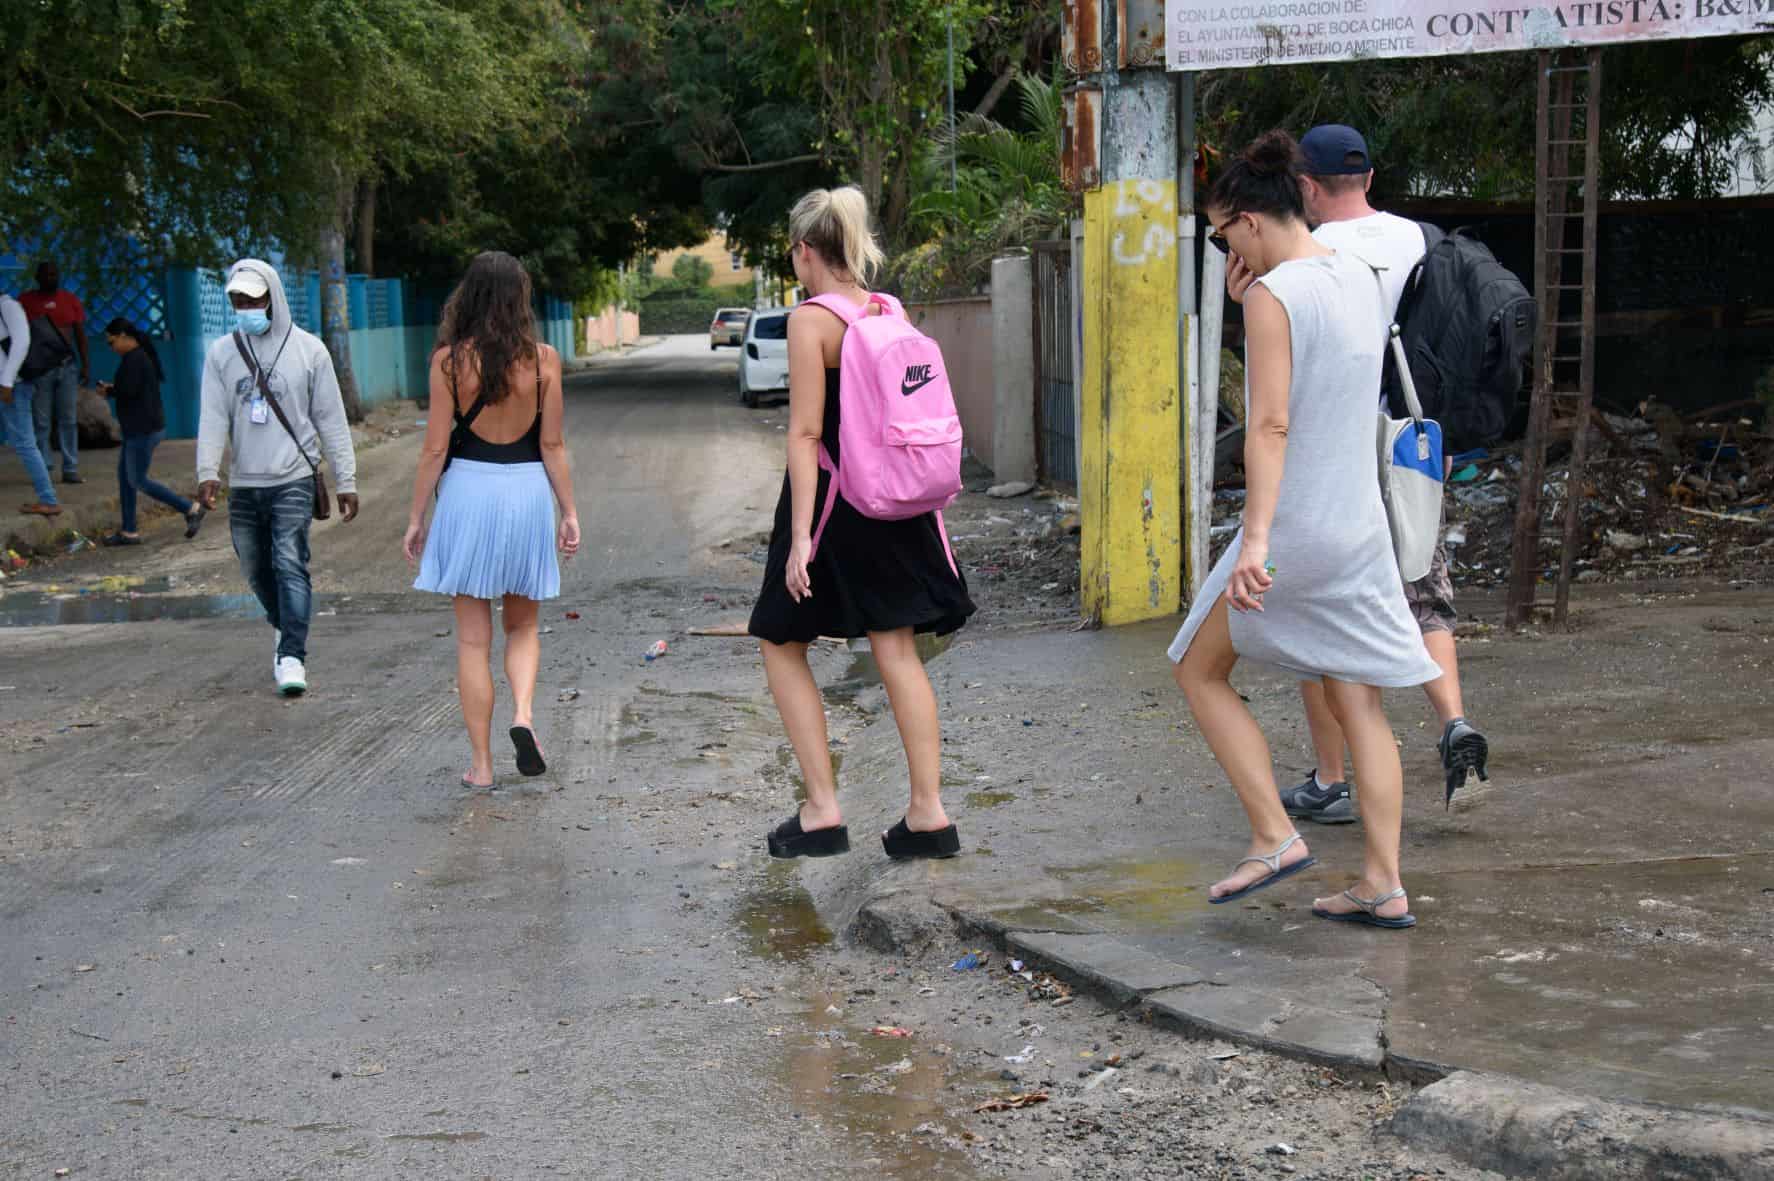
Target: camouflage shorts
[(1432, 596)]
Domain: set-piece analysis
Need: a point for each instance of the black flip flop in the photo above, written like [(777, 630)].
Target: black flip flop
[(791, 840), (529, 755), (194, 521), (902, 843)]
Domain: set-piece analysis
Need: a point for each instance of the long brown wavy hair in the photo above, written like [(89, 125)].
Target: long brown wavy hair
[(489, 314)]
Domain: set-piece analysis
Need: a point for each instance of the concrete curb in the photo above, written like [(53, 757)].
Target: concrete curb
[(1525, 1130), (1351, 1039)]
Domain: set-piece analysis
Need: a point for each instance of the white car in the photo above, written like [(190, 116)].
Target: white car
[(763, 356)]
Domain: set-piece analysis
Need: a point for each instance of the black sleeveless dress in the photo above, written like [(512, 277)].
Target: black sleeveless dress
[(867, 575)]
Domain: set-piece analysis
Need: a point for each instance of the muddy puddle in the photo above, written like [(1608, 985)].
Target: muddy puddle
[(893, 1093), (778, 917), (864, 673)]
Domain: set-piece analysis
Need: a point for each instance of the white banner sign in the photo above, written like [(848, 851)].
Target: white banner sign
[(1220, 35)]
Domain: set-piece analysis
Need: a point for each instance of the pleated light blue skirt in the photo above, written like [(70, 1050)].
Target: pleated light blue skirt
[(492, 533)]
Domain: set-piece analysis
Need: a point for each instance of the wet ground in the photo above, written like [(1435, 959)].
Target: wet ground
[(1599, 917), (247, 937)]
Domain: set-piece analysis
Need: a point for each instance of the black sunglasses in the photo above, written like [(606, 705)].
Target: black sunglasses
[(1216, 236)]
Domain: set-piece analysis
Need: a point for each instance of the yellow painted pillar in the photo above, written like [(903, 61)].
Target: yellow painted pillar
[(1130, 480)]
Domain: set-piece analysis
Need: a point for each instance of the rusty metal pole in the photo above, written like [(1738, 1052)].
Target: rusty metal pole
[(1586, 380), (1524, 550)]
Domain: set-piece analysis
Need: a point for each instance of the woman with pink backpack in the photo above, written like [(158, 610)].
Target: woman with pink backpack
[(858, 547)]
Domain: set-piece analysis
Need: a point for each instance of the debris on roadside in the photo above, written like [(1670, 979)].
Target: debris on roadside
[(1013, 1102), (658, 649), (971, 962)]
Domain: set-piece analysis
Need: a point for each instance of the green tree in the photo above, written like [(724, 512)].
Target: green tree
[(1673, 115), (1008, 193), (692, 271)]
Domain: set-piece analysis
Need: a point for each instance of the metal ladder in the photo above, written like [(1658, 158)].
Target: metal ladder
[(1567, 198)]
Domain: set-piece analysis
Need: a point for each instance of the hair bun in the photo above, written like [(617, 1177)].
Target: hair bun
[(1274, 153)]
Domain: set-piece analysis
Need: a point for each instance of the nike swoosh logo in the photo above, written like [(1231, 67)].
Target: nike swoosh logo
[(912, 387)]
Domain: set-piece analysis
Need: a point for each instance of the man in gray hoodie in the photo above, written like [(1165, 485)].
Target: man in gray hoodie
[(271, 471)]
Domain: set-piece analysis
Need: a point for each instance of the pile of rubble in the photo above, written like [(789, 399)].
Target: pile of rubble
[(1661, 496)]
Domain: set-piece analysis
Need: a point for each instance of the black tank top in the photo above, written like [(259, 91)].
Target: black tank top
[(465, 444)]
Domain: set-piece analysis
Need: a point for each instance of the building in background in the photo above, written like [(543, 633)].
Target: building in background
[(728, 265)]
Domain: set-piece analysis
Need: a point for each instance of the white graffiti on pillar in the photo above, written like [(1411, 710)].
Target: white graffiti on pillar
[(1147, 208)]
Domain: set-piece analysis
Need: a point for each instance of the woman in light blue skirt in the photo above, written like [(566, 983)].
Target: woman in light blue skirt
[(498, 467)]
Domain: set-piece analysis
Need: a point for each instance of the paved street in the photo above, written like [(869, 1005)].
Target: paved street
[(248, 937)]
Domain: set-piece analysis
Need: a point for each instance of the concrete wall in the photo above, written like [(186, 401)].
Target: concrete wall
[(601, 330), (1013, 347), (963, 329)]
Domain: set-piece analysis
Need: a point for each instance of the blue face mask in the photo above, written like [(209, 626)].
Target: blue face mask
[(253, 321)]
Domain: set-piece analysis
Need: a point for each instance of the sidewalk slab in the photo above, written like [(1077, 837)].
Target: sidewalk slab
[(1107, 966)]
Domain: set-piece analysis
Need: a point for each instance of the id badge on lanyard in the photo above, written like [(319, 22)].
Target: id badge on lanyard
[(259, 410)]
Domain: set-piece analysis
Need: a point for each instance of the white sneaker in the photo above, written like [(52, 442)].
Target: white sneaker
[(292, 678)]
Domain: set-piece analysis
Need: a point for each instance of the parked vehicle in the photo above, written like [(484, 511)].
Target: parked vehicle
[(763, 365), (728, 327)]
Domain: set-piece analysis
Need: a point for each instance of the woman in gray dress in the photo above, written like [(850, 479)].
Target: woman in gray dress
[(1309, 584)]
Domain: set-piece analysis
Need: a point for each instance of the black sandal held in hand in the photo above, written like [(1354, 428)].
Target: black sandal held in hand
[(529, 755), (901, 842), (791, 840)]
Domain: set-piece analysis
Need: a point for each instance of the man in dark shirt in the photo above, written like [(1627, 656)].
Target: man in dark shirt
[(58, 391)]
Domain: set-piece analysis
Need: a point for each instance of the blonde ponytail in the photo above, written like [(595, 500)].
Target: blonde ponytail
[(835, 222)]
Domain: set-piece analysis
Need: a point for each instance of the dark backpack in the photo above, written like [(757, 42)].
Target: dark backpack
[(1468, 328), (49, 349)]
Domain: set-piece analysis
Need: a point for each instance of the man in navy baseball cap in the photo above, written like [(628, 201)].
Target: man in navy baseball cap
[(1335, 150)]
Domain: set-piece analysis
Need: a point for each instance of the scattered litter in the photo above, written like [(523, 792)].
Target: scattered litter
[(1225, 1055), (1281, 1150), (1012, 1102), (833, 1011), (568, 695), (349, 861), (1097, 1080), (1024, 1058), (970, 962), (1467, 474), (656, 651), (572, 615), (890, 1031), (79, 541), (86, 967), (97, 1037), (441, 634), (1016, 965), (1011, 490), (903, 1066)]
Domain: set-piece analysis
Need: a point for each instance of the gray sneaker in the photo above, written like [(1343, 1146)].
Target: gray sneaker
[(1323, 805), (1463, 751)]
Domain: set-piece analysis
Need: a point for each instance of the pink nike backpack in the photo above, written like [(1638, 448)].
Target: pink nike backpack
[(899, 435)]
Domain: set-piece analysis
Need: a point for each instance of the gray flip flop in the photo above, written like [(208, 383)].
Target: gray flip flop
[(1276, 872), (1366, 916)]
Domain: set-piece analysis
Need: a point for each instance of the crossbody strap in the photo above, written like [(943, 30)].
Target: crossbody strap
[(264, 385), (1396, 339)]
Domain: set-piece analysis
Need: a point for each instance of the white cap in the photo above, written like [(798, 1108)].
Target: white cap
[(247, 282)]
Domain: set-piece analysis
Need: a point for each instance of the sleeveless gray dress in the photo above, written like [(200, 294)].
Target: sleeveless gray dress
[(1337, 607)]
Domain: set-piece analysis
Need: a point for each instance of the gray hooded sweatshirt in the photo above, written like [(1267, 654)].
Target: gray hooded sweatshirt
[(302, 380)]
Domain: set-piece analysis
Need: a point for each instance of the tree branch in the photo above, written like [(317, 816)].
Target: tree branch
[(789, 162)]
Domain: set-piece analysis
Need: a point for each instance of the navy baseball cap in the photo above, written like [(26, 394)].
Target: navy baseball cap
[(1332, 149)]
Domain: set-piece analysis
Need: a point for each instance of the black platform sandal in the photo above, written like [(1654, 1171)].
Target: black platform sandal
[(791, 840), (901, 842), (529, 755)]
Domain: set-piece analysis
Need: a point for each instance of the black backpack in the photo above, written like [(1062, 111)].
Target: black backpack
[(1468, 328), (49, 348)]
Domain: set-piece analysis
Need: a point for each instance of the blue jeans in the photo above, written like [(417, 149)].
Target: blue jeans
[(132, 477), (58, 393), (270, 529), (23, 436)]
